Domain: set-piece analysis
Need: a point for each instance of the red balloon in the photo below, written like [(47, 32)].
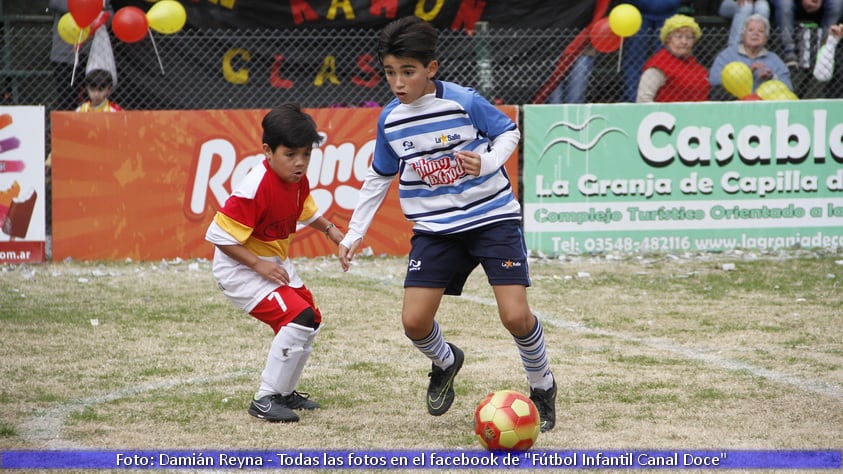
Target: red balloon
[(751, 97), (84, 11), (602, 37), (130, 24)]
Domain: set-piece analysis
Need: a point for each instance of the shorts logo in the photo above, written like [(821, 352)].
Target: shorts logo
[(510, 264), (415, 265)]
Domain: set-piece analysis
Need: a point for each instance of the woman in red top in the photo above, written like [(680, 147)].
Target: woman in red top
[(673, 74)]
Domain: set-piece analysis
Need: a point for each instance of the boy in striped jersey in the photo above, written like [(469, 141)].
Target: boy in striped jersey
[(448, 146)]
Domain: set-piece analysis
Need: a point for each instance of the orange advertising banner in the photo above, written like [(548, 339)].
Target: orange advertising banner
[(145, 184)]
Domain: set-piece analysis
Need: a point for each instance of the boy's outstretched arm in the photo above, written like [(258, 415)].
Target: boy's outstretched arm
[(346, 254), (372, 194)]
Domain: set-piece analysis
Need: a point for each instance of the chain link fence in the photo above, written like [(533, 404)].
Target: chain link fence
[(235, 69)]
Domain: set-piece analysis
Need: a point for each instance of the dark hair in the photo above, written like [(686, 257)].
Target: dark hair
[(99, 79), (409, 37), (287, 125)]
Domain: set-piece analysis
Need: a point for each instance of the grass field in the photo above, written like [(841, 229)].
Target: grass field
[(714, 351)]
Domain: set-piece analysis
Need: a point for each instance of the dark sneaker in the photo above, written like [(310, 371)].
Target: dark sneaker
[(299, 401), (272, 408), (545, 401), (440, 391)]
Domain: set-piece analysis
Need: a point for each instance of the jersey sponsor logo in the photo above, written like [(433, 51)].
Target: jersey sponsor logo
[(447, 137), (508, 264), (442, 170), (408, 145)]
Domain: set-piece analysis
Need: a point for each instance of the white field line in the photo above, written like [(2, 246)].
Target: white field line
[(816, 386), (46, 428)]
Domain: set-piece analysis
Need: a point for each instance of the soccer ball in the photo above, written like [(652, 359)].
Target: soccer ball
[(506, 421)]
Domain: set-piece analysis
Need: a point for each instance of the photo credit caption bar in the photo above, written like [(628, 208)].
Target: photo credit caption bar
[(351, 459)]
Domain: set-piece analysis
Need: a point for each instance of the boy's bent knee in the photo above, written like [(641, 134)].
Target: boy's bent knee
[(307, 318), (519, 325)]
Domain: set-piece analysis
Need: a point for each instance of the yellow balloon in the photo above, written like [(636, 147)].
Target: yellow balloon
[(70, 32), (737, 79), (166, 17), (625, 20), (775, 90)]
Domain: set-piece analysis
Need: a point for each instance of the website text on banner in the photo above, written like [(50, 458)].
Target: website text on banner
[(22, 185), (677, 177), (145, 184)]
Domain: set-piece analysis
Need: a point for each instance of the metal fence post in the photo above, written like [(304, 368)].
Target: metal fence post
[(484, 60)]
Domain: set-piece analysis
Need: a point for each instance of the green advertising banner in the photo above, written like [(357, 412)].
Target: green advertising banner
[(683, 177)]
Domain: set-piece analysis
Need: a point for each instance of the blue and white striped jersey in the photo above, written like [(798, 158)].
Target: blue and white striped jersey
[(417, 142)]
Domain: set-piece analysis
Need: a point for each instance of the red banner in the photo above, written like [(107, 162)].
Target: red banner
[(145, 184)]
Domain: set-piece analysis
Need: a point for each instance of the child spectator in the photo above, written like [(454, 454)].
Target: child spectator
[(99, 84)]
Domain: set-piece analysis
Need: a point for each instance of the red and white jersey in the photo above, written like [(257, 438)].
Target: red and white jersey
[(261, 214), (105, 106)]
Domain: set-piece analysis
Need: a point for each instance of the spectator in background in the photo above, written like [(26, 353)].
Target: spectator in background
[(63, 60), (573, 88), (787, 12), (673, 73), (753, 52), (99, 84), (824, 68), (640, 46), (738, 11)]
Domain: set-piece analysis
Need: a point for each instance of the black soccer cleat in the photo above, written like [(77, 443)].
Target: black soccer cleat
[(440, 391), (299, 401), (272, 408), (545, 401)]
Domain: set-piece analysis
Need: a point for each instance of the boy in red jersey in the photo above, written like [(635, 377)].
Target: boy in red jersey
[(252, 234)]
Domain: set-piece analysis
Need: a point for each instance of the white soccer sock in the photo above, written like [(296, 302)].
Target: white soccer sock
[(435, 348), (284, 363), (534, 358), (307, 348)]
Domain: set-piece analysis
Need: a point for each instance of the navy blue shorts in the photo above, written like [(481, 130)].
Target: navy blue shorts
[(446, 261)]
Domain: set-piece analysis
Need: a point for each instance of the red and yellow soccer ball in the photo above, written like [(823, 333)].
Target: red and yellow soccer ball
[(506, 421)]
